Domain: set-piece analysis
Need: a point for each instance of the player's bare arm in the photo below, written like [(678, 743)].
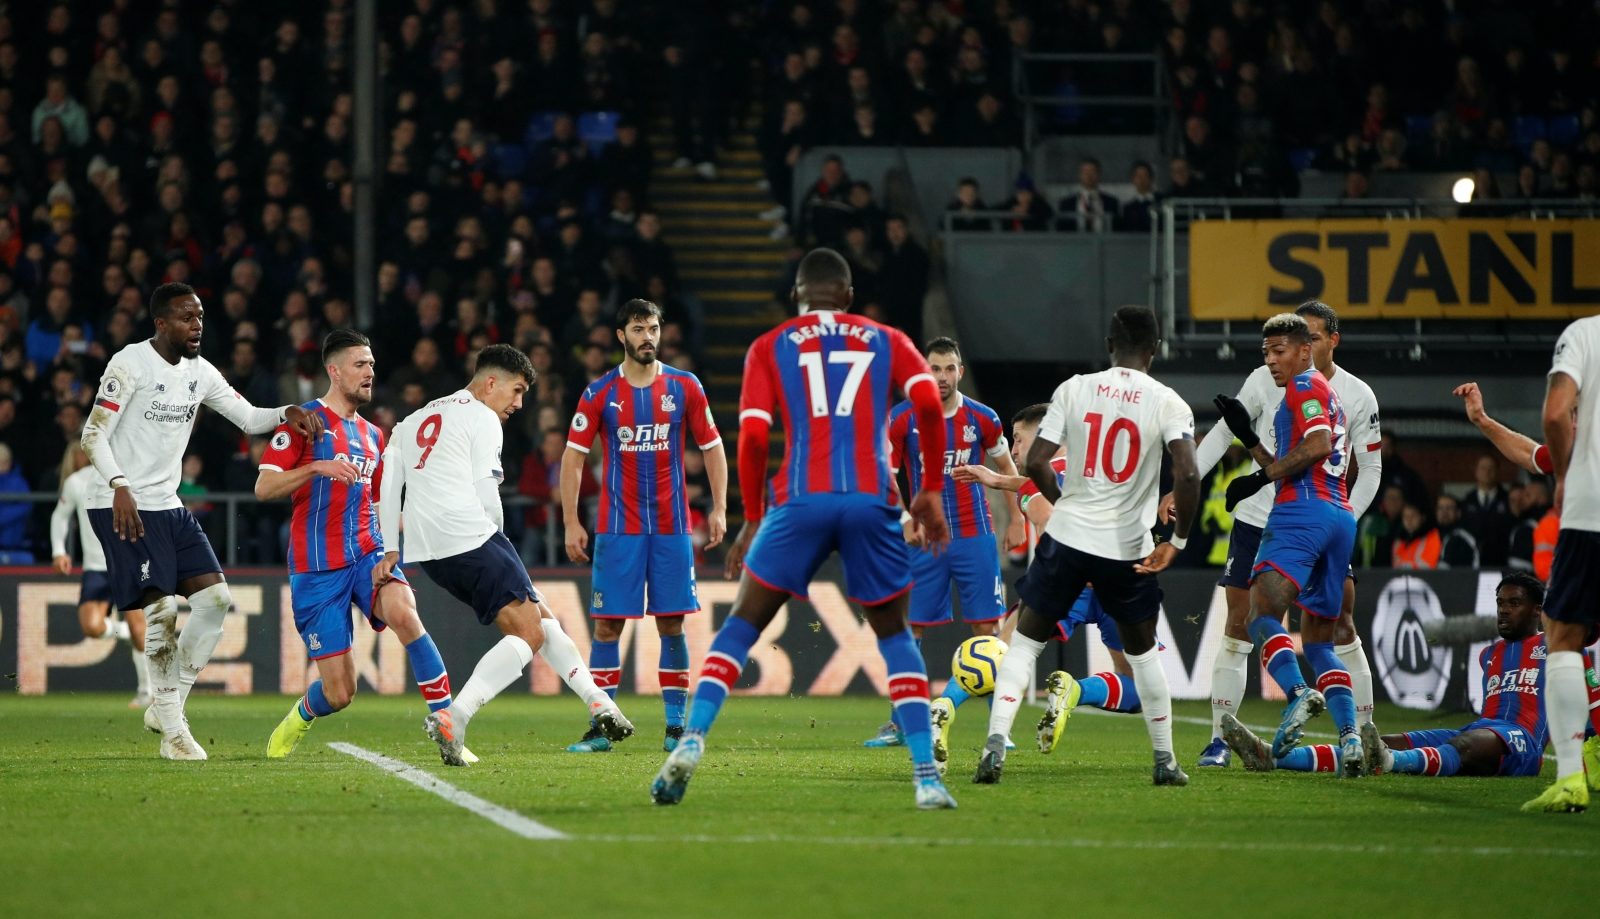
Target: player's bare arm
[(1186, 503), (1038, 469), (577, 538), (1518, 448), (1312, 449), (717, 472), (272, 484), (988, 478), (1016, 532), (1559, 402)]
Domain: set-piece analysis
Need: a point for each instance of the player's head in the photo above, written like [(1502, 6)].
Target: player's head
[(180, 319), (347, 356), (1286, 347), (822, 282), (1134, 335), (639, 330), (1324, 325), (504, 376), (1518, 605), (1024, 428), (944, 356)]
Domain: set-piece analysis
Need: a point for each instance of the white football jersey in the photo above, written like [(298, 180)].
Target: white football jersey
[(1578, 356), (1262, 397), (445, 449), (1113, 425), (82, 487), (145, 410)]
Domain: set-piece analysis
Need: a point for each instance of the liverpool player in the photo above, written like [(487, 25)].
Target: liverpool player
[(829, 377), (334, 543), (643, 551)]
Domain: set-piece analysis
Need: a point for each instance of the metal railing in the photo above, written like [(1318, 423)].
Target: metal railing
[(1032, 98), (228, 504)]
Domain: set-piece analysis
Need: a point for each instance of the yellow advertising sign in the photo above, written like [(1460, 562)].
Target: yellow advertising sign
[(1396, 269)]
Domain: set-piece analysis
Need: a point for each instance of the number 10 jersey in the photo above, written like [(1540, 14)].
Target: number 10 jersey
[(1113, 425)]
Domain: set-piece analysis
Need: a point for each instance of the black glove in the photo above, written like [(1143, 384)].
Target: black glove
[(1244, 486), (1238, 419)]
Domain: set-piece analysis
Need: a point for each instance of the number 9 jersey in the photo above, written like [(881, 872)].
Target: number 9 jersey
[(449, 452), (1113, 425)]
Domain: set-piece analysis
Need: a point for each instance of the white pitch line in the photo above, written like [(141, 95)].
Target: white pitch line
[(526, 827)]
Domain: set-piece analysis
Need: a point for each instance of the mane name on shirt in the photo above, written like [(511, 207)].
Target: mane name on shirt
[(833, 327), (1119, 394)]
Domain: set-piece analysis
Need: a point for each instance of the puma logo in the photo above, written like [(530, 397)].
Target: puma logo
[(615, 405)]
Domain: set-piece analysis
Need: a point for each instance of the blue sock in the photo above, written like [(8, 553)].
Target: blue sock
[(955, 693), (723, 664), (1112, 692), (674, 674), (605, 664), (908, 692), (1277, 651), (428, 668), (1333, 681), (1440, 761), (314, 704), (1315, 758)]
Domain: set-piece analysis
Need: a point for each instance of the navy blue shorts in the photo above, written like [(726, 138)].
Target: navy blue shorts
[(1575, 578), (322, 601), (972, 564), (1056, 579), (488, 578), (1522, 756), (643, 573), (1243, 544), (797, 536), (173, 550), (96, 588)]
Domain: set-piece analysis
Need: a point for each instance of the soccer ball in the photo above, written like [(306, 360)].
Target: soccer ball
[(976, 664)]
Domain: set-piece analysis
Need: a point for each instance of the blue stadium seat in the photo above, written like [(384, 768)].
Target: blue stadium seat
[(1527, 129), (510, 160), (1563, 130), (597, 129), (540, 127), (1302, 158), (1070, 113), (1418, 127)]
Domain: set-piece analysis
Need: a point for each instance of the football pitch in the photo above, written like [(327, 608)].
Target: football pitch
[(788, 816)]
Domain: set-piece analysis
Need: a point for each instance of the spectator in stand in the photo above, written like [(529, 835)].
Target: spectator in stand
[(58, 104), (966, 205), (16, 547), (1417, 544), (1486, 513), (1375, 534), (538, 481), (1183, 183), (1089, 209), (825, 212), (1529, 503), (1457, 547), (1142, 209), (1397, 472), (1026, 211), (1545, 534), (903, 277)]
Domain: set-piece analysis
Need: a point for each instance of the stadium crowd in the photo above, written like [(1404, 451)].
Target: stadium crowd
[(212, 143)]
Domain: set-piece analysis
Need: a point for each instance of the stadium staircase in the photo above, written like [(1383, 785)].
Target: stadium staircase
[(726, 258)]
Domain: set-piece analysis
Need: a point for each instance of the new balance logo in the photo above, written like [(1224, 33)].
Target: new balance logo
[(1008, 698)]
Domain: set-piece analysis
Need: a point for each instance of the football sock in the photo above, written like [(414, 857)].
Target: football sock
[(141, 669), (1442, 760), (605, 662), (1112, 692), (955, 693), (1151, 680), (908, 693), (1229, 674), (1355, 664), (1016, 672), (1277, 652), (720, 671), (1594, 700), (428, 668), (674, 678), (161, 652), (496, 670), (1334, 684), (1315, 758), (561, 653), (1566, 705), (314, 704), (207, 609)]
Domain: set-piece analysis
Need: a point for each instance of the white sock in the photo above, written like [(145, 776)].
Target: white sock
[(161, 653), (1229, 675), (1155, 697), (562, 656), (1355, 663), (207, 609), (114, 629), (495, 671), (1011, 683), (1566, 709), (141, 669)]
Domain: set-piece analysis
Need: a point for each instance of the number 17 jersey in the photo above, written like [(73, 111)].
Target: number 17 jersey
[(1113, 425)]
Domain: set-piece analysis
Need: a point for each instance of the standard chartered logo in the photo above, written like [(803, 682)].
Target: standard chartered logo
[(1414, 673)]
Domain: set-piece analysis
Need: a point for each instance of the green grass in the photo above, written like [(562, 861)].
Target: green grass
[(811, 824)]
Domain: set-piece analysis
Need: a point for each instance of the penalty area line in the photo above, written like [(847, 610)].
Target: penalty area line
[(526, 827)]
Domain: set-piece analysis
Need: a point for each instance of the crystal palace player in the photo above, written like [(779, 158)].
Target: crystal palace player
[(1112, 424), (442, 473), (155, 550), (334, 543), (971, 563), (829, 376), (1310, 533), (643, 550), (1260, 397)]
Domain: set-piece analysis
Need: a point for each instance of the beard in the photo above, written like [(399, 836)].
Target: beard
[(634, 355)]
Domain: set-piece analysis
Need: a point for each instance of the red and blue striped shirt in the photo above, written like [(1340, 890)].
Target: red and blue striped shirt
[(972, 432), (1309, 405), (642, 486), (1513, 684), (334, 524)]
